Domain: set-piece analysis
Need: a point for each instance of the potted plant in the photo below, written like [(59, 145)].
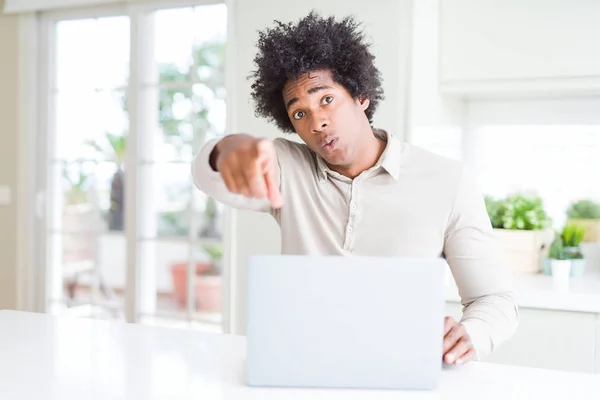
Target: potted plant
[(209, 283), (212, 223), (78, 214), (114, 148), (560, 265), (587, 214), (523, 229), (572, 236), (207, 280)]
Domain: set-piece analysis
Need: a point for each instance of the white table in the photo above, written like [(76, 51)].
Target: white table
[(44, 357)]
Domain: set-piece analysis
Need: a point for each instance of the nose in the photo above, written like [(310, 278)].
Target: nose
[(319, 122)]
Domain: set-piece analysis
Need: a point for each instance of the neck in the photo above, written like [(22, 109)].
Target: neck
[(371, 149)]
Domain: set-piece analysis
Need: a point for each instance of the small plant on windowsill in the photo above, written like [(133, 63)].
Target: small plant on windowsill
[(522, 227), (586, 213), (572, 235), (559, 263), (113, 148), (212, 224), (557, 250), (209, 283), (215, 253)]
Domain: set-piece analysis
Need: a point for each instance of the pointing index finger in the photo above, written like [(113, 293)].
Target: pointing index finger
[(270, 169), (273, 192)]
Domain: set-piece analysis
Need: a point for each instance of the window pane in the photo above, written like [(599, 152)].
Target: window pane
[(90, 198), (210, 217), (557, 162), (209, 46), (210, 23), (176, 133), (172, 259), (165, 200), (209, 111), (86, 158), (173, 44), (88, 275), (187, 118), (91, 125), (92, 53)]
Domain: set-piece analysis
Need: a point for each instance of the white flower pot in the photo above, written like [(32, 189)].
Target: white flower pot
[(561, 274)]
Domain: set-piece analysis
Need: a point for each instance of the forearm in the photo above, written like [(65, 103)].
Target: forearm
[(481, 271), (490, 320)]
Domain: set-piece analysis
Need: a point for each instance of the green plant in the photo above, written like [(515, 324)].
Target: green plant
[(173, 223), (114, 148), (572, 234), (584, 209), (210, 77), (495, 210), (557, 250), (211, 228), (215, 252), (210, 209), (571, 237), (78, 185), (518, 211)]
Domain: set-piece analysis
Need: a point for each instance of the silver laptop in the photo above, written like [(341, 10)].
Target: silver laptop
[(345, 322)]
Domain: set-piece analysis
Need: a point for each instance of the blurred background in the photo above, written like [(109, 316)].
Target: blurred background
[(103, 104)]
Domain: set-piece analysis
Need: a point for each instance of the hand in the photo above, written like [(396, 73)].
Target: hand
[(248, 166), (457, 344)]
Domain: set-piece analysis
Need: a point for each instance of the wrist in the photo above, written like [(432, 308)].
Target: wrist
[(214, 156)]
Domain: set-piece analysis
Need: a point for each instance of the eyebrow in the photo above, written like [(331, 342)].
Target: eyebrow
[(310, 91)]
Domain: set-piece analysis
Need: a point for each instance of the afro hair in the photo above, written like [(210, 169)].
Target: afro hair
[(287, 51)]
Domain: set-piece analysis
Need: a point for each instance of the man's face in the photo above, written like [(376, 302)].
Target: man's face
[(326, 117)]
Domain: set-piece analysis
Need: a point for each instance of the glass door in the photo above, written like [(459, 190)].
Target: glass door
[(174, 81)]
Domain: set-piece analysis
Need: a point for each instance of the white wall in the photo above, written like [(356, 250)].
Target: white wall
[(559, 111), (512, 40), (386, 22), (435, 122), (9, 30)]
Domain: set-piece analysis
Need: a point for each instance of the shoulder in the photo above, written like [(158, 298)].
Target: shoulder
[(288, 146), (289, 151), (446, 178), (420, 161)]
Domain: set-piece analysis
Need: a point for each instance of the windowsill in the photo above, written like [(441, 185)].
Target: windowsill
[(538, 291)]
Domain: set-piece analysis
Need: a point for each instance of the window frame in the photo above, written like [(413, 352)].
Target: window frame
[(45, 134)]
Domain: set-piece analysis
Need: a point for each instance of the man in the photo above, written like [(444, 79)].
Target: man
[(354, 189)]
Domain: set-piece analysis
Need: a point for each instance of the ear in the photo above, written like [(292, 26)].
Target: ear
[(364, 102)]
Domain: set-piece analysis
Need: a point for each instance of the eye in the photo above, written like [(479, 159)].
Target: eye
[(327, 100), (298, 114)]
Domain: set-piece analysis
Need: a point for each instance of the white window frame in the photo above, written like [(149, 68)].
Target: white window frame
[(43, 131)]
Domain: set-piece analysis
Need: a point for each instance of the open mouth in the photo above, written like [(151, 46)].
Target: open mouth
[(330, 145)]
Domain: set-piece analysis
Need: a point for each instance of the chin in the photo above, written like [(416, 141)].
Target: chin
[(334, 159)]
